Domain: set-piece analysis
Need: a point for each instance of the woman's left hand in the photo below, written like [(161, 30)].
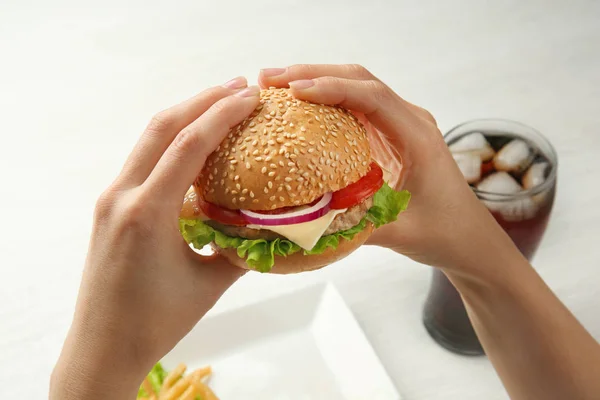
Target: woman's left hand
[(143, 288)]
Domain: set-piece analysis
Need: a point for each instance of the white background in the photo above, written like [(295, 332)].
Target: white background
[(78, 82)]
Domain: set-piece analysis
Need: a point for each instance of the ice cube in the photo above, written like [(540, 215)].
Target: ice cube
[(535, 175), (515, 156), (474, 143), (500, 183), (517, 209), (512, 210), (470, 165)]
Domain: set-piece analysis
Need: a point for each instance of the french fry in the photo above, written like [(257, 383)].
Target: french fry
[(171, 379), (190, 393), (178, 388), (148, 386), (207, 393), (202, 373)]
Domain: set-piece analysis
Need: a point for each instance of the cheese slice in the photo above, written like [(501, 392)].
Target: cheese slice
[(306, 234)]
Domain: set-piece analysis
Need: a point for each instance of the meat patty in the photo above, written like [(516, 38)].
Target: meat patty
[(341, 222)]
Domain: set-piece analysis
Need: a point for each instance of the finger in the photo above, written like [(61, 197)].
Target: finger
[(280, 77), (383, 108), (165, 126), (183, 160)]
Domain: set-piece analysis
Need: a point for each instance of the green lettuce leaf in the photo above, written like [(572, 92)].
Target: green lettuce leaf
[(387, 204), (260, 253)]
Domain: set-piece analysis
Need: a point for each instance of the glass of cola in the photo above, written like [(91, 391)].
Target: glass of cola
[(512, 169)]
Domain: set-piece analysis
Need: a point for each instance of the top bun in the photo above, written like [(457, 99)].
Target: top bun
[(288, 152)]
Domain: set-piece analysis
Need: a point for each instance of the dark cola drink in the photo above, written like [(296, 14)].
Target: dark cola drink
[(512, 170)]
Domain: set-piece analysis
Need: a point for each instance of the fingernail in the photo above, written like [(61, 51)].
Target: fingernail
[(302, 84), (249, 92), (236, 83), (271, 72)]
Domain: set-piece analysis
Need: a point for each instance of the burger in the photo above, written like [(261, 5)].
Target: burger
[(292, 188)]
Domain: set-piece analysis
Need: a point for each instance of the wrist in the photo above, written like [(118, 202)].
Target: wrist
[(91, 368)]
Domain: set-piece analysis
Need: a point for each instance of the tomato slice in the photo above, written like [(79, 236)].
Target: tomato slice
[(220, 214), (360, 190)]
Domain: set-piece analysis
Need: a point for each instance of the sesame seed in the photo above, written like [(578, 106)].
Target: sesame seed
[(259, 158), (311, 150), (320, 185), (242, 199), (280, 189), (253, 130), (318, 173), (272, 113), (234, 200), (226, 190), (273, 165), (210, 177), (271, 142), (248, 165), (281, 198), (300, 179), (272, 173), (303, 129), (288, 187), (244, 191), (272, 198), (222, 182), (288, 179), (278, 130), (279, 140), (238, 186), (266, 151), (234, 192), (292, 156), (270, 184), (266, 190), (292, 170)]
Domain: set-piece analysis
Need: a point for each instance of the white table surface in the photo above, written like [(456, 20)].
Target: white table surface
[(79, 82)]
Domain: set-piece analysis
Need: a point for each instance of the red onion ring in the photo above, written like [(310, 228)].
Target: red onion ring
[(294, 217)]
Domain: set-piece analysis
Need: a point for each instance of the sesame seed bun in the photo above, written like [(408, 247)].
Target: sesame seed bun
[(298, 262), (286, 153)]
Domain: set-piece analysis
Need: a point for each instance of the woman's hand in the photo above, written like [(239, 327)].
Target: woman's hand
[(143, 288), (538, 348), (444, 220)]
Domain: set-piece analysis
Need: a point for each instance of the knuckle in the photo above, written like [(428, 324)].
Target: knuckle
[(221, 108), (134, 214), (160, 122), (359, 71), (428, 116), (186, 141), (380, 91), (105, 204)]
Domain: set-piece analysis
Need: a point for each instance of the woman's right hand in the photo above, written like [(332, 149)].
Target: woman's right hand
[(445, 223)]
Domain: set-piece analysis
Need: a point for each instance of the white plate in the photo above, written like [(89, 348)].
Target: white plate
[(304, 345)]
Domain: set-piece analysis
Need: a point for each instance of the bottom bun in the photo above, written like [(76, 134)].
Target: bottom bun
[(298, 262)]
